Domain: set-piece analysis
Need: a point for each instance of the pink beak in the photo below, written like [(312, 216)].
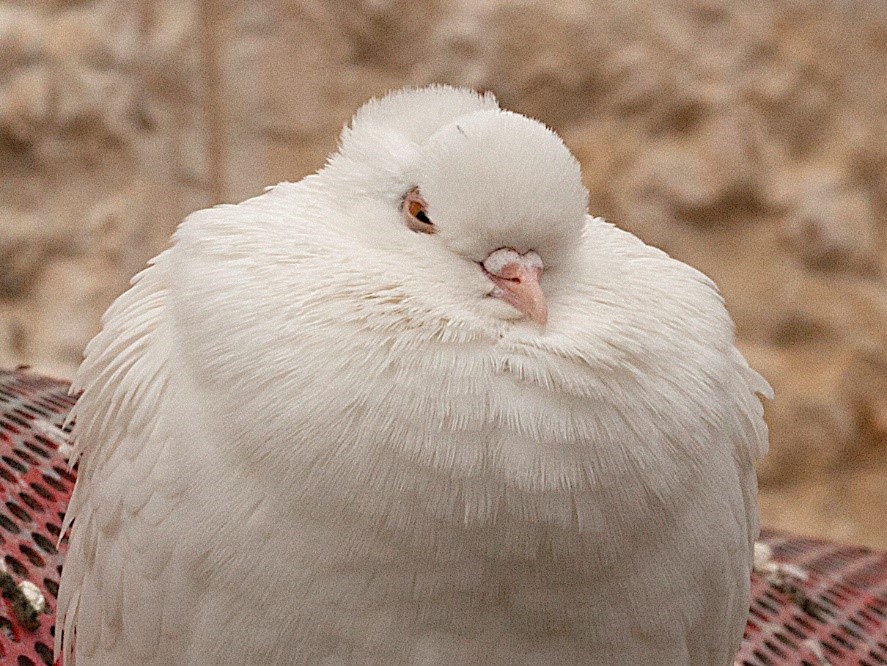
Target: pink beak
[(516, 279)]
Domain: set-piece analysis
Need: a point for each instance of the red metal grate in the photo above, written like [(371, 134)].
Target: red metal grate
[(35, 485), (814, 603), (817, 603)]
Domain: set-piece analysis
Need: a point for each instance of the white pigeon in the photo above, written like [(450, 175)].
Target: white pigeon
[(418, 408)]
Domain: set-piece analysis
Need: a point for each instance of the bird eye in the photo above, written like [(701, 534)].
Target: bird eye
[(415, 213)]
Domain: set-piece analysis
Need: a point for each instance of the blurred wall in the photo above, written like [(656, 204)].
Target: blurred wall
[(748, 139)]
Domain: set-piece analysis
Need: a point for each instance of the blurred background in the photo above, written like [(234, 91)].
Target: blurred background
[(748, 139)]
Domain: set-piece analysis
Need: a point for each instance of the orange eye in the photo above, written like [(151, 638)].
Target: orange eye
[(415, 213), (417, 210)]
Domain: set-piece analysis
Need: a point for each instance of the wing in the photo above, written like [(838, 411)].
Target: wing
[(750, 440), (117, 576), (726, 612), (139, 512)]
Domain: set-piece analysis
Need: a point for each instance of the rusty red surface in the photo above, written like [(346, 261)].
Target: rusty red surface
[(35, 484), (815, 603)]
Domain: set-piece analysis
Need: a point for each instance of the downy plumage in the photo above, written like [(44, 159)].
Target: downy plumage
[(317, 430)]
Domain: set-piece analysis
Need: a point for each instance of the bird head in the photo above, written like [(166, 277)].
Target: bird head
[(438, 293), (485, 204)]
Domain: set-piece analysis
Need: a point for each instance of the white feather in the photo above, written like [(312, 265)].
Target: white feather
[(308, 436)]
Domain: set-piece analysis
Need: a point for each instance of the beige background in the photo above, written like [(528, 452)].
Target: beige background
[(746, 138)]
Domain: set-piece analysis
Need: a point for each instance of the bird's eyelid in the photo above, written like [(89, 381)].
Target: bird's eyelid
[(413, 194), (415, 213)]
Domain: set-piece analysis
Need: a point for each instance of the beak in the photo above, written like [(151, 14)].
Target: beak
[(516, 279)]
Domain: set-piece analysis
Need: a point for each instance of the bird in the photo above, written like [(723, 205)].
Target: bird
[(420, 407)]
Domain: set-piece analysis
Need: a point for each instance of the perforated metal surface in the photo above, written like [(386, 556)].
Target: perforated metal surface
[(816, 603), (822, 603), (35, 485)]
